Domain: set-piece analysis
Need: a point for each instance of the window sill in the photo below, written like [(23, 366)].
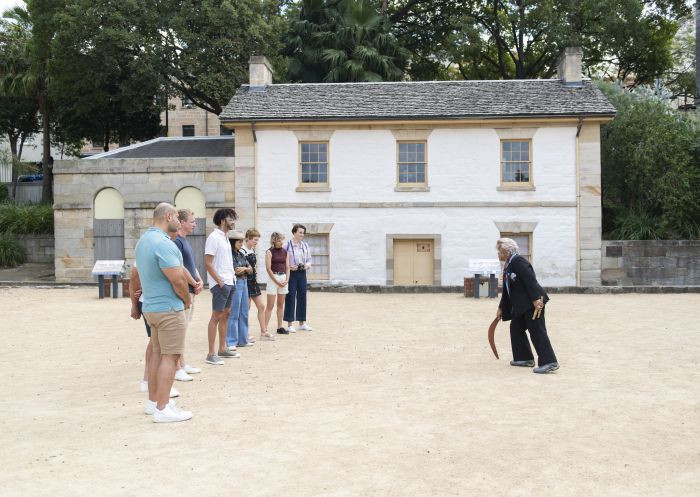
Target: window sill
[(412, 189), (516, 188), (313, 188)]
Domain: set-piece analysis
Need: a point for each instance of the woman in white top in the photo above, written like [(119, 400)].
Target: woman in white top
[(299, 255)]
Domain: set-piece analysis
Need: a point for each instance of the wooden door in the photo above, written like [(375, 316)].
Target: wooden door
[(109, 239), (197, 240), (414, 262)]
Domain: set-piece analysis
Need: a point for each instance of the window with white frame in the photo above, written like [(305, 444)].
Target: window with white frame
[(320, 255), (313, 164), (524, 241), (516, 162), (412, 165)]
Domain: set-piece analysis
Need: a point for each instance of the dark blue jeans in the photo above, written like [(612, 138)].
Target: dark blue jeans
[(295, 303)]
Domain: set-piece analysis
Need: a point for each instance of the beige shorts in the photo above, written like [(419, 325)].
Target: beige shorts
[(167, 331), (273, 289)]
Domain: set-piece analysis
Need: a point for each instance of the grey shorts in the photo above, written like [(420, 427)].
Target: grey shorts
[(221, 297)]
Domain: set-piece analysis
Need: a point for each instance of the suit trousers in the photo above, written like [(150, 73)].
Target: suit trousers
[(538, 334)]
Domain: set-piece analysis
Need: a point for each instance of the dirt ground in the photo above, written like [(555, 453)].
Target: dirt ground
[(390, 395)]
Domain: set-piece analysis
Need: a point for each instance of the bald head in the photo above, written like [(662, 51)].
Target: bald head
[(165, 218), (162, 210)]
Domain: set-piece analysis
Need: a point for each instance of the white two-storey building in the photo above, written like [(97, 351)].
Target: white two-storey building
[(403, 183)]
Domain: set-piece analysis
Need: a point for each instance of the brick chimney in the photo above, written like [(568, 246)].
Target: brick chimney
[(569, 67), (260, 72)]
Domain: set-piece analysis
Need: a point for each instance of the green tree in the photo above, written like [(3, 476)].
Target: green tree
[(204, 45), (503, 39), (104, 81), (18, 114), (31, 80), (650, 167), (341, 41)]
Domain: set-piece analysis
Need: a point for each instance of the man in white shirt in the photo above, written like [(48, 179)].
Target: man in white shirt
[(222, 280)]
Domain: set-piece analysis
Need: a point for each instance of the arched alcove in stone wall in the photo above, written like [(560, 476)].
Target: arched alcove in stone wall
[(108, 225), (193, 199)]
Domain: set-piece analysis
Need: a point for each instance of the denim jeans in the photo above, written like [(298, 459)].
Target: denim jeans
[(295, 303), (237, 326)]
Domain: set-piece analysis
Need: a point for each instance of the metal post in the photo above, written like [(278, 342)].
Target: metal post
[(477, 282), (115, 287), (493, 286), (101, 283)]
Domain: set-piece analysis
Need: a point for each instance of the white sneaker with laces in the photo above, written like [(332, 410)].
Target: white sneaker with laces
[(305, 327), (190, 370), (143, 385), (151, 406), (170, 415), (291, 329), (174, 393), (181, 375)]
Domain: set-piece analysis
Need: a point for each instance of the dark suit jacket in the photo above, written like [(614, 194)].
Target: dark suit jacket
[(523, 289)]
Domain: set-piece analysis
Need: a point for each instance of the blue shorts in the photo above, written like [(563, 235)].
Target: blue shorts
[(221, 298), (148, 328)]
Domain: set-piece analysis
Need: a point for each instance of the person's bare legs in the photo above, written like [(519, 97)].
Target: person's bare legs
[(153, 365), (260, 306), (268, 309), (222, 329), (214, 321), (280, 310), (165, 378), (149, 349)]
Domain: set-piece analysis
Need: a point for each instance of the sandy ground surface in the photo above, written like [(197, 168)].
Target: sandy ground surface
[(390, 395)]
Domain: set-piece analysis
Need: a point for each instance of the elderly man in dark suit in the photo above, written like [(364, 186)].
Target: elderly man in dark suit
[(522, 303)]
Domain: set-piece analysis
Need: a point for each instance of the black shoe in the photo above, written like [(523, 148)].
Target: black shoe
[(523, 364), (547, 368), (282, 331)]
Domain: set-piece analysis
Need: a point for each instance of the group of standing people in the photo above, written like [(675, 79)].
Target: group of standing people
[(165, 282)]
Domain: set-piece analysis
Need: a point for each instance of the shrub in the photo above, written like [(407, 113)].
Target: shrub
[(4, 193), (11, 254), (26, 219), (638, 225)]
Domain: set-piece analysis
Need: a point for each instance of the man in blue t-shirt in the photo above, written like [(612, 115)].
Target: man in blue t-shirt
[(166, 296)]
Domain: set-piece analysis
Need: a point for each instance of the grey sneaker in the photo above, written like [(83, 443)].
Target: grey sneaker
[(214, 359), (226, 354), (547, 368), (523, 364)]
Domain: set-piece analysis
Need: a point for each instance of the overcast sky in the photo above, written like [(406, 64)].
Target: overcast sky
[(8, 4)]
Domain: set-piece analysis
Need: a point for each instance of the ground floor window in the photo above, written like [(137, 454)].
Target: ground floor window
[(524, 241), (320, 256)]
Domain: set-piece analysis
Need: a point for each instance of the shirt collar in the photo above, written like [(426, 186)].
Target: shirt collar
[(510, 258)]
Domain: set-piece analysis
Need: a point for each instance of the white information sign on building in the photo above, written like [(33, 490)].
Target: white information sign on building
[(485, 267), (108, 268)]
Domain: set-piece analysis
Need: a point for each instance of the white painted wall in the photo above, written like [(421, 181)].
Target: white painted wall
[(358, 238), (463, 166)]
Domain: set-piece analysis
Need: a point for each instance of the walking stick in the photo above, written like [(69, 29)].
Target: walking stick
[(492, 330)]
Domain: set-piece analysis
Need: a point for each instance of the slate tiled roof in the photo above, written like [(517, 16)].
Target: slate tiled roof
[(416, 100), (196, 146)]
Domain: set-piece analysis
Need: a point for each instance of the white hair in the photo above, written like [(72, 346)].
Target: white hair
[(508, 244)]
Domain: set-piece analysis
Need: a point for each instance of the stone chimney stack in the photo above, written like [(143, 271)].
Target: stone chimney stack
[(260, 72), (569, 66)]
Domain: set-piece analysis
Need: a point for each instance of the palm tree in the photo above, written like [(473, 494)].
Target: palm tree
[(28, 77), (344, 40)]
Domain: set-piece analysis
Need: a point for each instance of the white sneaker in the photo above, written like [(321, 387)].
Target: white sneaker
[(174, 393), (181, 375), (231, 348), (291, 329), (305, 327), (151, 406), (143, 385), (190, 370), (170, 414)]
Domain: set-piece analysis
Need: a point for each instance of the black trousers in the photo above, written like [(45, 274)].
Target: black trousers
[(538, 334)]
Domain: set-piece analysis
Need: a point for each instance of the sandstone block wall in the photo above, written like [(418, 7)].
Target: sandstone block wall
[(143, 183)]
